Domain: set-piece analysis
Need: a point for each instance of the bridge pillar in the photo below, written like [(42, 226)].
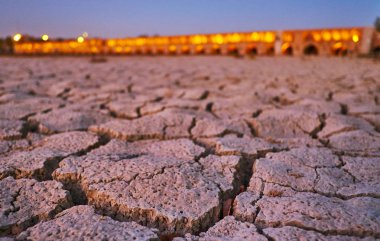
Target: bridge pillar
[(366, 41), (298, 44), (278, 43)]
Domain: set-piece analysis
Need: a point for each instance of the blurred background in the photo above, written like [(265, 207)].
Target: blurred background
[(58, 20)]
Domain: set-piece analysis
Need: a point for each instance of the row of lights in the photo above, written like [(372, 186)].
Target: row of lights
[(17, 37), (200, 39)]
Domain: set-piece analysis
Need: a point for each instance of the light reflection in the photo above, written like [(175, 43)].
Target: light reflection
[(80, 39), (17, 37), (45, 37)]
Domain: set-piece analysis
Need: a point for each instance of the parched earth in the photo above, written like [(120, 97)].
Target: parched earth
[(189, 148)]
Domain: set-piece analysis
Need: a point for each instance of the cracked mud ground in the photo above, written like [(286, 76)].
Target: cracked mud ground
[(189, 148)]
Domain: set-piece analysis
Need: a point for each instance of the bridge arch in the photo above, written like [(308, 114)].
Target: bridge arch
[(287, 49), (310, 49), (199, 49), (339, 49), (376, 51), (251, 50), (216, 50), (270, 51), (185, 50), (233, 50)]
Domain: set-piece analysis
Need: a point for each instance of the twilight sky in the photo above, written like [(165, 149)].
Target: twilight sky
[(121, 18)]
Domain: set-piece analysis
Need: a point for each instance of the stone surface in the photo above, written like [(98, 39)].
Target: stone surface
[(7, 147), (179, 148), (26, 108), (303, 170), (82, 223), (163, 125), (318, 106), (25, 202), (366, 172), (232, 145), (288, 146), (293, 233), (353, 217), (44, 158), (64, 120), (283, 123), (244, 208), (228, 229), (179, 195), (335, 124), (10, 130), (359, 142)]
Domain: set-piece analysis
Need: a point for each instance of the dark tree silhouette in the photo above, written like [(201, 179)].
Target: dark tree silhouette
[(377, 24)]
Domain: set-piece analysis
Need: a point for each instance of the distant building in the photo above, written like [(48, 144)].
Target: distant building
[(324, 42)]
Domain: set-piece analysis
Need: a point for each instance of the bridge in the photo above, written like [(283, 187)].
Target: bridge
[(324, 42)]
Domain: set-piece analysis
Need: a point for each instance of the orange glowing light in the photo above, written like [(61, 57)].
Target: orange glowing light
[(73, 44), (199, 39), (355, 38), (183, 40), (336, 35), (269, 37), (287, 37), (111, 43), (119, 49), (185, 49), (127, 50), (326, 36), (345, 35), (199, 48), (45, 37), (216, 46), (140, 41), (233, 38), (255, 36), (80, 39), (172, 48), (232, 48), (94, 50), (284, 47), (218, 39), (17, 37), (317, 36), (338, 45)]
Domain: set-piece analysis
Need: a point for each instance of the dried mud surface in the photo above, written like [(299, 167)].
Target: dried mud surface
[(189, 148)]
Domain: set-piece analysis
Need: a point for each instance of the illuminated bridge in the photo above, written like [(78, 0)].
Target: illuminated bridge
[(336, 41)]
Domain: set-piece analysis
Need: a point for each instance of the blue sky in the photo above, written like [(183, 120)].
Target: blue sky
[(120, 18)]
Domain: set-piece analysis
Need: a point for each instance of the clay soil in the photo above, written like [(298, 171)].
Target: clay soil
[(189, 148)]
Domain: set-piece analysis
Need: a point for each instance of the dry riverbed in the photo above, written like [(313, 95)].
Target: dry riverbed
[(189, 148)]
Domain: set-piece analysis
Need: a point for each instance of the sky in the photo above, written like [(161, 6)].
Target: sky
[(122, 18)]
